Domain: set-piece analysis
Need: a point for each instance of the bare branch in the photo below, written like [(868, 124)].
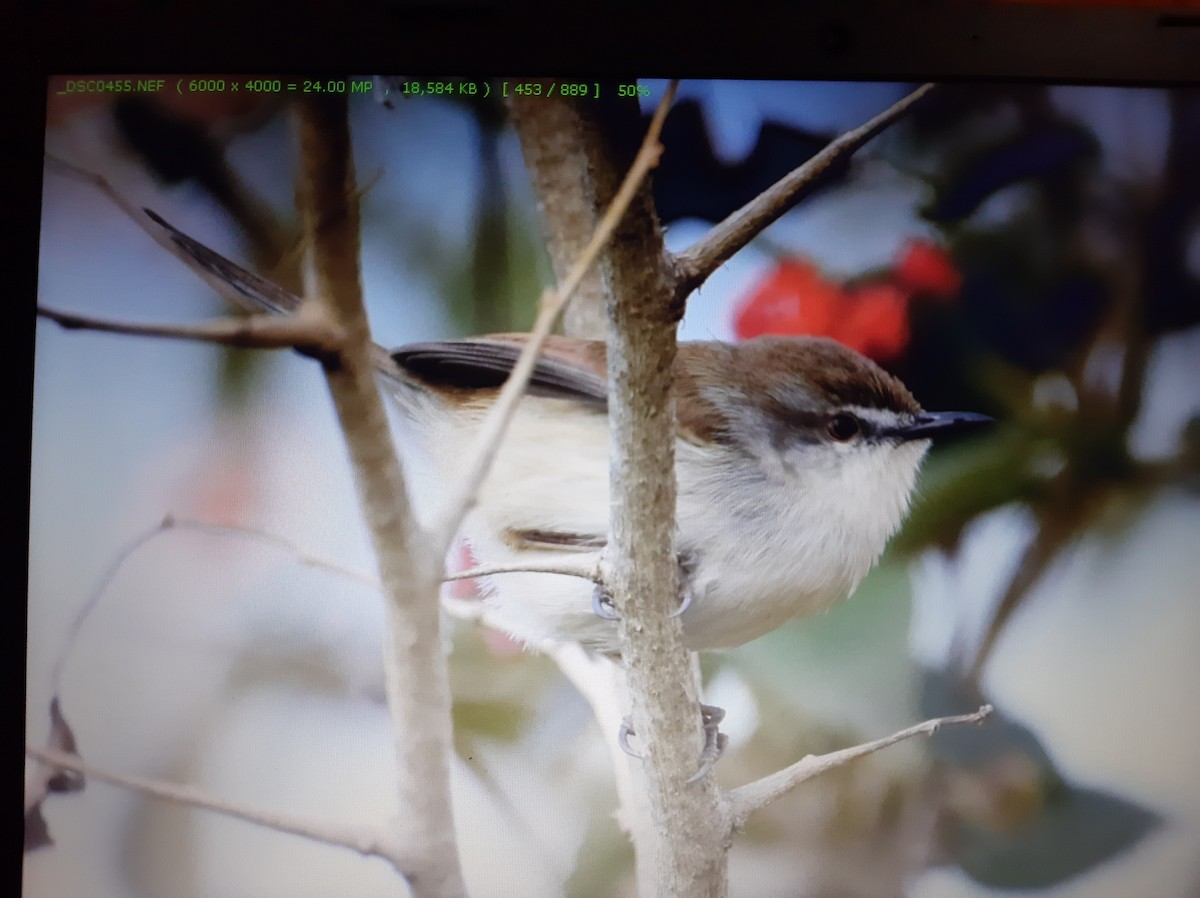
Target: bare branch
[(679, 828), (487, 443), (416, 677), (237, 286), (585, 567), (241, 288), (70, 170), (556, 133), (366, 840), (694, 265), (747, 799), (305, 331), (93, 599)]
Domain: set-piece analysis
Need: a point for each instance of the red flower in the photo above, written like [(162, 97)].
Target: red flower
[(792, 299), (925, 268), (875, 321), (795, 299)]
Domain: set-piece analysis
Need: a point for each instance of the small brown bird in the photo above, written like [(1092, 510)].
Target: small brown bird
[(796, 459)]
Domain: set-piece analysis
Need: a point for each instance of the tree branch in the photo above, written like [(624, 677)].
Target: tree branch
[(747, 799), (416, 676), (370, 841), (305, 331), (487, 444), (242, 289), (694, 265), (682, 839), (555, 134), (585, 567)]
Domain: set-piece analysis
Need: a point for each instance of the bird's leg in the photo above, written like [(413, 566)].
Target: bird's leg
[(715, 741), (602, 603)]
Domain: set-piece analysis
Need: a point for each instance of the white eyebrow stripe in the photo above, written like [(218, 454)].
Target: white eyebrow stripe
[(879, 419)]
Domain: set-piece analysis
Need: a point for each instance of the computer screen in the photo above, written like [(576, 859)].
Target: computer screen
[(205, 610)]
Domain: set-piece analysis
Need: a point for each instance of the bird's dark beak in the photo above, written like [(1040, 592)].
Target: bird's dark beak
[(928, 425)]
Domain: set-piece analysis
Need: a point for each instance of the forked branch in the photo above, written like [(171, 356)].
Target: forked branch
[(694, 265)]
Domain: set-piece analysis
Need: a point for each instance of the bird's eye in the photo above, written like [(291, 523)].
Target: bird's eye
[(844, 427)]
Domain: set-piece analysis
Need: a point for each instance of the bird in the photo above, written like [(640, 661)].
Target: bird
[(796, 459)]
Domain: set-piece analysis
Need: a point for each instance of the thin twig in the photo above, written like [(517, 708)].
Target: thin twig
[(487, 443), (745, 800), (206, 263), (370, 841), (93, 600), (241, 288), (694, 265), (303, 556), (166, 525), (303, 331), (91, 178), (585, 567)]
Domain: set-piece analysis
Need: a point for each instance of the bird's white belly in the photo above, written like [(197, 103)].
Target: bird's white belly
[(751, 578), (766, 548)]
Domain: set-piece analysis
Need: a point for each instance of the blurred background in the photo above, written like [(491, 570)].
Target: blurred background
[(1032, 252)]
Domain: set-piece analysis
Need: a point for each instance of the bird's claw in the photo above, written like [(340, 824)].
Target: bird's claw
[(602, 604), (715, 742), (623, 738), (685, 602)]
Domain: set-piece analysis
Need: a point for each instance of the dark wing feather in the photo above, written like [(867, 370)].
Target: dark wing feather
[(566, 370)]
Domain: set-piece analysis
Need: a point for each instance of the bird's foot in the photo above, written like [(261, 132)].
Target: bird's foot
[(602, 603), (715, 741)]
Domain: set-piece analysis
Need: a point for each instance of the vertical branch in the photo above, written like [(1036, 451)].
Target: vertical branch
[(418, 691), (556, 135), (683, 849)]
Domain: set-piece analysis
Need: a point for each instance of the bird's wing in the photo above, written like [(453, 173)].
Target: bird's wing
[(555, 539), (566, 369)]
